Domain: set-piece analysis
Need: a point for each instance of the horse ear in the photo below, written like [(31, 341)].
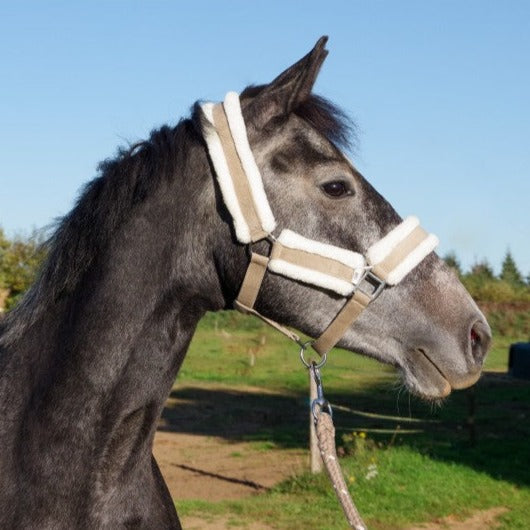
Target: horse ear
[(290, 88)]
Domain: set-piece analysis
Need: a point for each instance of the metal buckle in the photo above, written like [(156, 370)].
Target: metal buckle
[(374, 281), (269, 238)]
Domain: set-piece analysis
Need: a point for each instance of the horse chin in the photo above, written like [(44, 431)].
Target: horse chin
[(435, 388), (424, 378)]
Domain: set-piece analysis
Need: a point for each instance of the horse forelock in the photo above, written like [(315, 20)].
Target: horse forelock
[(324, 116)]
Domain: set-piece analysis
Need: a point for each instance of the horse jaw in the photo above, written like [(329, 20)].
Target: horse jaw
[(429, 328)]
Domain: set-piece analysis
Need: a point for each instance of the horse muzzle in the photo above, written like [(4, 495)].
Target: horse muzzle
[(437, 367)]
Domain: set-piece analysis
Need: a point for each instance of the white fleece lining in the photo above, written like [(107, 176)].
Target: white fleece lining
[(312, 277), (295, 241), (224, 178), (413, 259), (375, 254), (351, 259), (382, 248), (238, 129)]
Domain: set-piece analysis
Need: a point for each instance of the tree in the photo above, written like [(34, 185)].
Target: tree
[(452, 261), (482, 270), (4, 245), (509, 271), (20, 259), (4, 291)]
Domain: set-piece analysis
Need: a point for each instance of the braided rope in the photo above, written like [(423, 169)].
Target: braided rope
[(326, 443)]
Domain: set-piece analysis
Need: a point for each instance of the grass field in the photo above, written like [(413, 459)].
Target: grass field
[(427, 461)]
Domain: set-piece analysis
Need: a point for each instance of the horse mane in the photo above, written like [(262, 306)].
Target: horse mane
[(104, 203), (125, 181)]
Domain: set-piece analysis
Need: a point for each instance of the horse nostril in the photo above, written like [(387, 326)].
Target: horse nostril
[(475, 339), (480, 339)]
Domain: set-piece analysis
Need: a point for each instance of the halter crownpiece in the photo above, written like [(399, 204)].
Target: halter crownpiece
[(237, 173), (293, 256)]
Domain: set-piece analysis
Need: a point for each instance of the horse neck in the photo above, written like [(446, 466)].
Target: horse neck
[(79, 403), (96, 359), (107, 354)]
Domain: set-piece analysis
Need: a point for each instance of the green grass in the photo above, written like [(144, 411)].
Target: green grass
[(409, 487), (431, 460), (233, 349), (497, 359)]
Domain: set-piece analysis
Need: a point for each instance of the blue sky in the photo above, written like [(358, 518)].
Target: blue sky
[(440, 91)]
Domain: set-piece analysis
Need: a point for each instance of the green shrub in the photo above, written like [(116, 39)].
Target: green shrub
[(20, 260)]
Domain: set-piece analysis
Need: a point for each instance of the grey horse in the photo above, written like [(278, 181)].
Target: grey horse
[(89, 356)]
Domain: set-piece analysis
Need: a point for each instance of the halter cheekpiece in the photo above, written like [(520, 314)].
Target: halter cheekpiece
[(360, 279)]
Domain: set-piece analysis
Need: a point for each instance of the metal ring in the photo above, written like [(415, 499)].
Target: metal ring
[(303, 348)]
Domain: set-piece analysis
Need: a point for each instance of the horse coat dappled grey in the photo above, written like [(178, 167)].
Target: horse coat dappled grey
[(89, 356)]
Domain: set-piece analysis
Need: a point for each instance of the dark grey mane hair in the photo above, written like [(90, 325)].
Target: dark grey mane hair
[(323, 115), (125, 181), (330, 121)]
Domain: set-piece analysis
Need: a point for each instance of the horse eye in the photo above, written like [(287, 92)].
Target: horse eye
[(335, 189)]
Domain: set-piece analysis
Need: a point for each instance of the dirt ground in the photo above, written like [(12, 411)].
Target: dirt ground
[(212, 468), (481, 520), (209, 468)]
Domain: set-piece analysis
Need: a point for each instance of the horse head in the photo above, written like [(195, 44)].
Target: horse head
[(424, 323)]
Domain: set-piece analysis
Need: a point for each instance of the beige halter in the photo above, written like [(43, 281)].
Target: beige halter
[(358, 278)]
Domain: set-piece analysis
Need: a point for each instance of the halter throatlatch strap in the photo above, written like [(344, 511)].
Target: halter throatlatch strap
[(308, 261), (252, 280), (293, 256), (312, 262), (249, 292)]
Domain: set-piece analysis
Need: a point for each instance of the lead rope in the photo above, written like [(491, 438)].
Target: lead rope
[(325, 431)]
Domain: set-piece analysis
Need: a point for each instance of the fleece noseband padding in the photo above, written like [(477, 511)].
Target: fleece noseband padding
[(316, 263), (396, 254)]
